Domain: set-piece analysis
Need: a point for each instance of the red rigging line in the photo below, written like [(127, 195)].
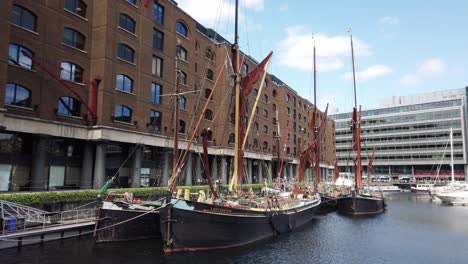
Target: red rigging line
[(206, 162), (91, 109)]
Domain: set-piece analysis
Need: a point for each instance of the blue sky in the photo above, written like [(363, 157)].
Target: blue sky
[(401, 47)]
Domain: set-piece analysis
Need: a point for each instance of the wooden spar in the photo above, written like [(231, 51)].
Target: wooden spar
[(233, 185), (175, 151), (260, 89), (173, 180), (315, 132), (278, 137)]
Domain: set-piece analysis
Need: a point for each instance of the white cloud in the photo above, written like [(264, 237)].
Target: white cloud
[(427, 69), (284, 7), (389, 20), (329, 99), (371, 72), (296, 50), (214, 13)]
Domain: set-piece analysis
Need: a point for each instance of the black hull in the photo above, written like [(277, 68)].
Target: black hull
[(209, 227), (360, 205), (328, 204), (142, 227)]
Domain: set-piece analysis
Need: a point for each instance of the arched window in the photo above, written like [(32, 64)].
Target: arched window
[(77, 7), (181, 53), (123, 113), (231, 138), (288, 150), (182, 29), (209, 74), (209, 54), (265, 130), (287, 97), (273, 149), (125, 53), (265, 84), (209, 115), (69, 106), (124, 83), (265, 145), (288, 111), (17, 95), (24, 18), (197, 46), (182, 101), (16, 57), (73, 38), (209, 135), (207, 93), (183, 78), (265, 98), (155, 120), (255, 126), (274, 134), (255, 143), (274, 121), (274, 107), (181, 126), (255, 92), (274, 93), (127, 23), (156, 90), (71, 72), (265, 113)]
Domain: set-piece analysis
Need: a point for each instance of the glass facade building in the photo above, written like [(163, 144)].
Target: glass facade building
[(410, 136)]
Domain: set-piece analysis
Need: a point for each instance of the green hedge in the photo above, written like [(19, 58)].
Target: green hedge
[(52, 197)]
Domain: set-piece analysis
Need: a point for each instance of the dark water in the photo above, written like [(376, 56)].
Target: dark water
[(412, 230)]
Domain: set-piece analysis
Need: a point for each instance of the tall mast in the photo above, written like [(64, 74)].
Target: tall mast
[(175, 154), (237, 99), (317, 144), (451, 155), (357, 125)]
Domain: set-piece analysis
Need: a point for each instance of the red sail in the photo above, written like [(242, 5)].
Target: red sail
[(337, 171), (206, 163), (254, 76)]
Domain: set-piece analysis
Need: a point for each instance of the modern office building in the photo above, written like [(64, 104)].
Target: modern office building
[(410, 135), (97, 98)]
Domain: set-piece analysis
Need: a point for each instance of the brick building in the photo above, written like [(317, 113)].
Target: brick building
[(48, 138)]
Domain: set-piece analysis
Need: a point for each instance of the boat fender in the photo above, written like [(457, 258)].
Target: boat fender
[(187, 194)]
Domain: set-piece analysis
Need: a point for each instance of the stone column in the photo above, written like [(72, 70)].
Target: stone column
[(270, 171), (100, 166), (260, 171), (214, 169), (291, 171), (166, 171), (198, 167), (38, 180), (189, 169), (86, 179), (223, 170), (285, 171), (466, 172), (249, 170), (136, 167)]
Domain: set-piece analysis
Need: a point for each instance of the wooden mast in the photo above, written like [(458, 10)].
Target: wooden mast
[(237, 81), (356, 126), (175, 153), (317, 144)]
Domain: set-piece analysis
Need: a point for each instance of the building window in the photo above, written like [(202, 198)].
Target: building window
[(245, 69), (127, 23), (71, 72), (124, 83), (265, 113), (288, 111), (265, 145), (209, 54), (274, 121), (231, 138), (265, 130), (73, 38), (158, 13), (181, 126), (182, 29), (274, 107), (255, 126), (209, 74), (273, 150), (133, 2), (183, 78), (265, 84), (294, 101), (16, 57), (209, 115), (123, 114), (157, 67), (125, 53), (77, 7), (158, 39), (182, 102), (255, 144), (24, 18), (181, 53), (209, 135), (156, 91), (17, 95), (265, 98), (155, 120), (287, 97), (207, 93), (69, 106), (255, 92), (274, 93), (197, 46)]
